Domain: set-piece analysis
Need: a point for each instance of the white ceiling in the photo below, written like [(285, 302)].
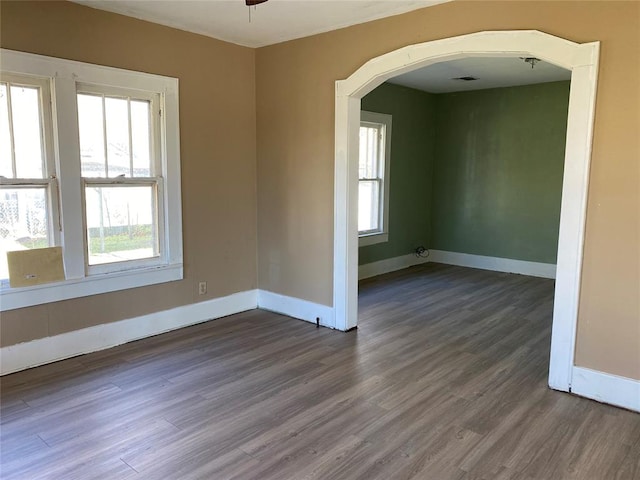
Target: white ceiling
[(490, 72), (271, 22)]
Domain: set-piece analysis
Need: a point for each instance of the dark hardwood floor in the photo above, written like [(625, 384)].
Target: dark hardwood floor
[(445, 378)]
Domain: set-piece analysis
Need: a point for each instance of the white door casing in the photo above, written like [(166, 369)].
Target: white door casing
[(582, 60)]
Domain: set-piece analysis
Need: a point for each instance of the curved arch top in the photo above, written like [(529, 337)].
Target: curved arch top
[(581, 59), (507, 43)]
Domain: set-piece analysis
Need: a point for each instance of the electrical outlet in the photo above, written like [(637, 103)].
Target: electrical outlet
[(202, 288)]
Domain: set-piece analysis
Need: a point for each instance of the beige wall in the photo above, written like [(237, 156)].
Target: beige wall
[(295, 114), (218, 153)]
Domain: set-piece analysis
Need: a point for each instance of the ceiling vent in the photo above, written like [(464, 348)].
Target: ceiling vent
[(465, 79)]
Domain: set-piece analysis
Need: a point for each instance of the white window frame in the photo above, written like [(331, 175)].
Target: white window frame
[(381, 234), (63, 78), (49, 179), (156, 180)]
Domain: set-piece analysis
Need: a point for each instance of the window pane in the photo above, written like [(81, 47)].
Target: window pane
[(368, 164), (368, 205), (140, 138), (27, 138), (5, 136), (121, 223), (118, 158), (91, 135), (24, 222)]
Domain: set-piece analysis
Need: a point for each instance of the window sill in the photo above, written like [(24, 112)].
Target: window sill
[(372, 239), (13, 298)]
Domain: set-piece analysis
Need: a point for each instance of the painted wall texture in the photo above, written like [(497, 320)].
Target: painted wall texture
[(474, 172), (217, 150), (295, 117), (412, 153), (497, 182)]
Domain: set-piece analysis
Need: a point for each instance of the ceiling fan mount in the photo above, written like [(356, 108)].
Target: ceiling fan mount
[(251, 3)]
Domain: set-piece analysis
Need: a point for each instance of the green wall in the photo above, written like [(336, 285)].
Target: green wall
[(474, 172), (412, 153), (497, 180)]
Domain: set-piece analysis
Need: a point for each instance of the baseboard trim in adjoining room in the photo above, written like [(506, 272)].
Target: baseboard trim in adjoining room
[(389, 265), (497, 264), (507, 265), (606, 388)]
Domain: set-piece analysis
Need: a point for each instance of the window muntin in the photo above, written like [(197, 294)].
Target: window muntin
[(370, 139), (116, 133), (28, 204), (7, 162), (21, 112)]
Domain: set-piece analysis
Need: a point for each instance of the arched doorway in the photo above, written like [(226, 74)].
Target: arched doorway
[(582, 60)]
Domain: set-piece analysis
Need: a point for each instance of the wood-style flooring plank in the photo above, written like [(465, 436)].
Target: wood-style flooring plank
[(444, 379)]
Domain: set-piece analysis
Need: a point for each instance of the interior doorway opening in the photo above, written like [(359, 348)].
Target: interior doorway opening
[(472, 167), (581, 60)]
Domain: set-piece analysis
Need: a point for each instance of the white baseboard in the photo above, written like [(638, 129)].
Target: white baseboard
[(58, 347), (508, 265), (296, 308), (389, 265), (21, 356), (534, 269), (606, 388)]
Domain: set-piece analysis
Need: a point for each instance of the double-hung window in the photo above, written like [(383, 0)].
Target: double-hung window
[(373, 178), (121, 177), (89, 161), (28, 185)]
